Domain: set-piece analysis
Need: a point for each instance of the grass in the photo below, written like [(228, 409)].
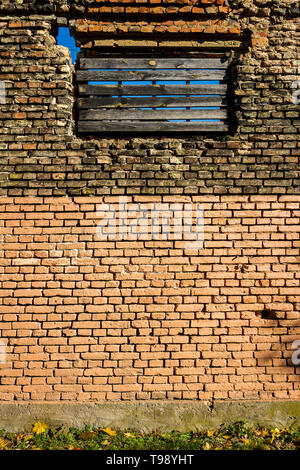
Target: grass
[(238, 436)]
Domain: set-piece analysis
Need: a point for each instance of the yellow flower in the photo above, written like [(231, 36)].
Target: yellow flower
[(128, 434), (210, 433), (275, 432), (206, 446), (109, 431), (245, 441), (39, 428), (3, 443)]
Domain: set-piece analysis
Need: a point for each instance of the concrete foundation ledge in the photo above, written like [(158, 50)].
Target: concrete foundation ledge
[(146, 417)]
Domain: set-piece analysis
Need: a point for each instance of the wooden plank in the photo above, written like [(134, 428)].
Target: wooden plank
[(138, 126), (155, 63), (94, 90), (86, 103), (146, 115), (133, 75)]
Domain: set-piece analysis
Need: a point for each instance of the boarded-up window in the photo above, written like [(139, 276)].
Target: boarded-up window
[(149, 94)]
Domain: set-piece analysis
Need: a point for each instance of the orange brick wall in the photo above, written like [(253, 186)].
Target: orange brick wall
[(88, 320), (84, 319)]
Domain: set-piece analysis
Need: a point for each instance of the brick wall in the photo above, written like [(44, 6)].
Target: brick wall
[(91, 320), (84, 319)]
